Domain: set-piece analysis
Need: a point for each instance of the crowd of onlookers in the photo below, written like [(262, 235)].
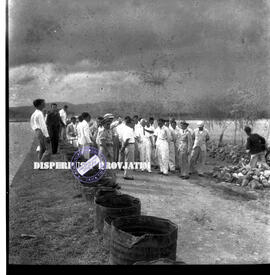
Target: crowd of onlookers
[(164, 144)]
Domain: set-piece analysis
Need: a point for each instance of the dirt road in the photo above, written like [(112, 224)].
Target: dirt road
[(214, 226)]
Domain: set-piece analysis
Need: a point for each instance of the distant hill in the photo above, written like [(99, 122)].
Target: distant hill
[(181, 110), (145, 109)]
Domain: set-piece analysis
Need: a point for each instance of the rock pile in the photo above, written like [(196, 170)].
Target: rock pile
[(229, 153), (256, 178)]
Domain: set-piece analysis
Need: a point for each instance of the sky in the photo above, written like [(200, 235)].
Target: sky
[(87, 51)]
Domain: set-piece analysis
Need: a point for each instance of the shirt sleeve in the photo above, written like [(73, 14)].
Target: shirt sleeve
[(87, 133), (62, 116), (42, 124)]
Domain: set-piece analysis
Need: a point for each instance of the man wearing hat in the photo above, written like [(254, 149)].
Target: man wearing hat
[(198, 155), (184, 146), (105, 138)]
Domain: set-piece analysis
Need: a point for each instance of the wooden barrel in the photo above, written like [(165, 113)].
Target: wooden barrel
[(142, 238), (88, 193), (107, 232), (163, 261), (115, 206)]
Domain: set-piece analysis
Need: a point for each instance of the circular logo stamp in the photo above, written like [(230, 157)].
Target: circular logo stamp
[(93, 164)]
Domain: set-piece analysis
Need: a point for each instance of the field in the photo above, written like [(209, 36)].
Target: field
[(20, 140), (50, 223)]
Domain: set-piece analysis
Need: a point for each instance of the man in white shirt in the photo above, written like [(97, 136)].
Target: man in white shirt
[(137, 126), (144, 145), (149, 143), (198, 156), (84, 134), (128, 147), (38, 124), (63, 116), (120, 129), (162, 137)]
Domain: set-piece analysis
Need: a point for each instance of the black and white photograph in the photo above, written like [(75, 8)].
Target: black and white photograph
[(137, 132)]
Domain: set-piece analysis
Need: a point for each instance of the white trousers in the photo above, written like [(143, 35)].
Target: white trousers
[(197, 160), (163, 155), (172, 156), (145, 149)]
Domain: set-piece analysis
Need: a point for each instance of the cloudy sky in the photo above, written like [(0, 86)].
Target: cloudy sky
[(86, 50)]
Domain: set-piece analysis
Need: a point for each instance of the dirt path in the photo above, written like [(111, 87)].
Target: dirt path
[(214, 227)]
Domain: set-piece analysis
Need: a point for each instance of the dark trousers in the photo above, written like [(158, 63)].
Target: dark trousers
[(54, 135)]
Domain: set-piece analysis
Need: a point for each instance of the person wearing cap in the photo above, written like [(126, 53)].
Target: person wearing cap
[(162, 138), (200, 137), (106, 139), (184, 146)]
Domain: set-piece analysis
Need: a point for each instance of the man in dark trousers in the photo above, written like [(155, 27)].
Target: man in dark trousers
[(53, 124), (256, 146)]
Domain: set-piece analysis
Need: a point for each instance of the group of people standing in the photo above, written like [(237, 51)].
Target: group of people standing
[(163, 145), (171, 147), (49, 128), (131, 139)]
